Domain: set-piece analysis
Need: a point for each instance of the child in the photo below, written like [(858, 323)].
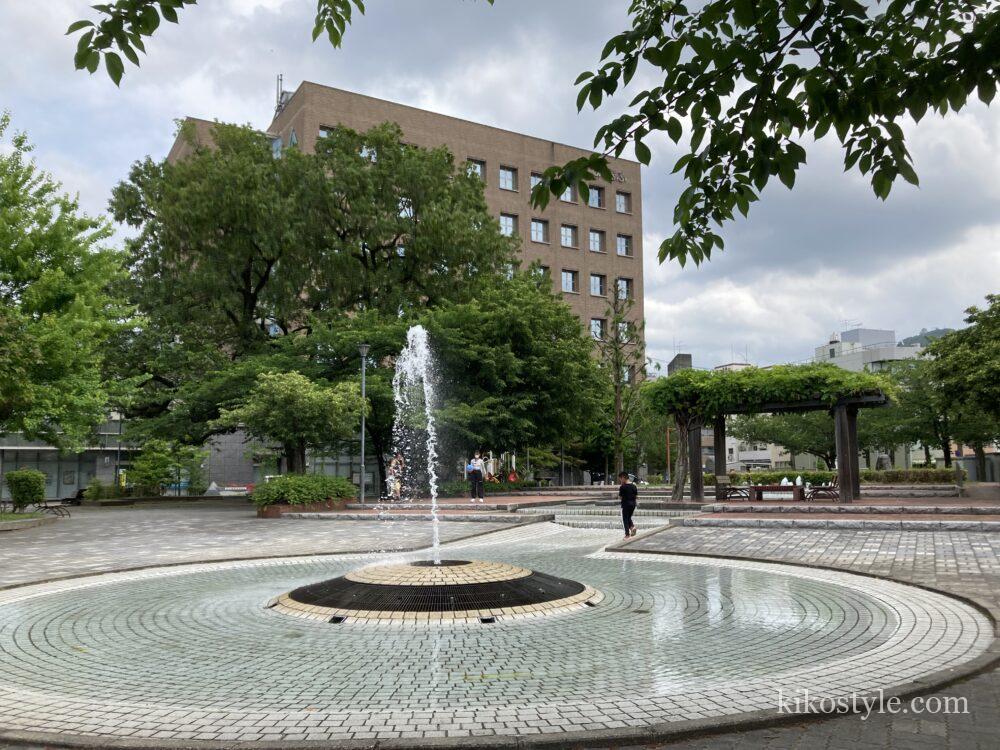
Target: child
[(396, 468), (628, 494)]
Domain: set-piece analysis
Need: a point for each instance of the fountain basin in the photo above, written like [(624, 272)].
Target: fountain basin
[(445, 592)]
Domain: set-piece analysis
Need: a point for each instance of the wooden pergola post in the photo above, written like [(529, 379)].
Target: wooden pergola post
[(845, 431), (694, 462), (720, 458)]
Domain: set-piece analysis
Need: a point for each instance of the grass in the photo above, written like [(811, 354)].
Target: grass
[(18, 516)]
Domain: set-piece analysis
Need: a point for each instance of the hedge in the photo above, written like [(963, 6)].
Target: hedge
[(459, 487), (27, 487), (302, 489)]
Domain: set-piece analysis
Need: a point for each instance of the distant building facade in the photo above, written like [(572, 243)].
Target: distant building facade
[(861, 349)]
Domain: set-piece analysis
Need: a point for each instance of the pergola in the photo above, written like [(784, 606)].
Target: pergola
[(845, 428), (696, 398)]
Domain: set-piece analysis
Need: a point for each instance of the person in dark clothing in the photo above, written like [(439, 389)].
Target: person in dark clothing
[(477, 473), (628, 495)]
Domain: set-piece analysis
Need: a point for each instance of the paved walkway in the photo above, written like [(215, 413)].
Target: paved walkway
[(101, 539), (175, 654), (963, 563)]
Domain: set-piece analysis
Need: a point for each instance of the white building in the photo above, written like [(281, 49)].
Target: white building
[(864, 348)]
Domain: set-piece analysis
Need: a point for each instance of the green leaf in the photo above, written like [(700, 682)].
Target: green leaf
[(168, 12), (642, 152), (674, 129), (115, 67), (129, 53), (987, 90), (76, 26)]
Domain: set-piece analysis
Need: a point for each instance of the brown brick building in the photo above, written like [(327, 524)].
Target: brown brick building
[(590, 249)]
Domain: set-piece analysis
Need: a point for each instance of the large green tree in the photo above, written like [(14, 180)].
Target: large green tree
[(296, 414), (805, 432), (517, 368), (240, 257), (56, 308)]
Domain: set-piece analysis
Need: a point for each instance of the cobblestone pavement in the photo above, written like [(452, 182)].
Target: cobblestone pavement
[(101, 539), (964, 563), (191, 653)]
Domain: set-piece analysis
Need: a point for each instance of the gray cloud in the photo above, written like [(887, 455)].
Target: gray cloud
[(802, 262)]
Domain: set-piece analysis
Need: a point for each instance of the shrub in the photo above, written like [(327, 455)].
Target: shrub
[(96, 490), (460, 487), (301, 489), (909, 476), (27, 487)]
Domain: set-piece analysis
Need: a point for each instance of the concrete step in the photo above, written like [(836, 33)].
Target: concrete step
[(853, 509), (596, 522), (610, 512), (511, 518), (845, 524)]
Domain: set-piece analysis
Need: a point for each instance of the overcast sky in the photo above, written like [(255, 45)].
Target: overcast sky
[(805, 262)]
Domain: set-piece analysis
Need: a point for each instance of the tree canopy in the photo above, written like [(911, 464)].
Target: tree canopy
[(517, 367), (704, 394), (240, 257), (296, 414), (748, 83), (56, 307)]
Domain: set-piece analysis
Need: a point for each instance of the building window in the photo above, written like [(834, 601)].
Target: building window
[(325, 131), (508, 225), (597, 327), (508, 178), (478, 168), (596, 241), (627, 373), (508, 270), (624, 288), (568, 195), (833, 353), (567, 235), (569, 281), (536, 178), (293, 140), (624, 330), (623, 202), (625, 245), (595, 199), (539, 230), (598, 284)]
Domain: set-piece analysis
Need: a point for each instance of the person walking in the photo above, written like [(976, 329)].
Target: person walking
[(628, 495), (477, 472)]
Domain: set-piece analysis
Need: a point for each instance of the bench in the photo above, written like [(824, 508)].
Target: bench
[(797, 490)]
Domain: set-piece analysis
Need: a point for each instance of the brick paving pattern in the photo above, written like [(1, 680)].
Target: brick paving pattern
[(191, 653), (964, 563), (95, 540)]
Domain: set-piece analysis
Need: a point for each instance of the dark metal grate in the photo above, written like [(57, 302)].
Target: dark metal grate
[(341, 593)]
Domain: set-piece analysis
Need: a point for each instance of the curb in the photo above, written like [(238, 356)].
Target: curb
[(505, 518), (27, 523), (807, 523)]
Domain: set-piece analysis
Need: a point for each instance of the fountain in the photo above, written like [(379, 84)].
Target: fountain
[(431, 591), (414, 392)]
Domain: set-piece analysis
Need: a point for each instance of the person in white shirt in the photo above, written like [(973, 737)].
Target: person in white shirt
[(477, 473)]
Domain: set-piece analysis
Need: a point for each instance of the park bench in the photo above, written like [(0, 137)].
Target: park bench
[(797, 490), (825, 492)]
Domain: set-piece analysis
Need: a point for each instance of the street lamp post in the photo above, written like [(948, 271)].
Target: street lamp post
[(363, 350)]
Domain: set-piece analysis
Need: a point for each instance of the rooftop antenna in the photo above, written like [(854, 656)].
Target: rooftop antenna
[(279, 86), (848, 324)]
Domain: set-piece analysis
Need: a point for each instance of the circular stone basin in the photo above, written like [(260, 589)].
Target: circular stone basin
[(427, 592)]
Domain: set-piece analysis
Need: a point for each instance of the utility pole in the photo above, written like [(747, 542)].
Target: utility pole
[(363, 350)]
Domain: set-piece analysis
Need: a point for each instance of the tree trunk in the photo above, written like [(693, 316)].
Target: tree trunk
[(927, 456), (868, 459), (680, 470), (892, 457), (946, 447), (977, 448)]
